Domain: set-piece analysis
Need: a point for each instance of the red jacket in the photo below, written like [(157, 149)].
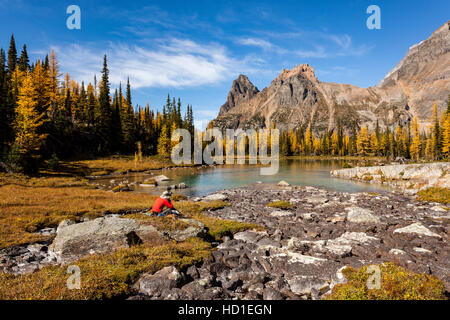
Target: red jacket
[(160, 203)]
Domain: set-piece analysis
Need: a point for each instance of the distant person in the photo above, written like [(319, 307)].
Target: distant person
[(163, 207)]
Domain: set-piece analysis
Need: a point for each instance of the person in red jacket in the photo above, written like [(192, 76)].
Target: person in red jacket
[(163, 206)]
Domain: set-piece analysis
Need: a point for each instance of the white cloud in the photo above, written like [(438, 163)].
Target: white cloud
[(318, 52), (175, 63), (325, 44), (256, 42)]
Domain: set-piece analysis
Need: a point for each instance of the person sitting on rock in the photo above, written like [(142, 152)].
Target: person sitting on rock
[(164, 202)]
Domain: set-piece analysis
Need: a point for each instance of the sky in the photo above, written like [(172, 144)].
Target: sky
[(195, 49)]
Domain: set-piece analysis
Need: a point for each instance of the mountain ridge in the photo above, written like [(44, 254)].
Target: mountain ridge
[(296, 98)]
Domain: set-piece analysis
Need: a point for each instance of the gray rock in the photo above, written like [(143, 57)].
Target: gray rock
[(161, 178), (153, 285), (272, 294), (303, 285), (418, 229), (248, 236), (281, 213), (361, 215), (215, 197), (99, 236), (195, 229)]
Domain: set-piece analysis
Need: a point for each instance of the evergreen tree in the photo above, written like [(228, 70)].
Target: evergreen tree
[(12, 56), (103, 115), (91, 106), (127, 120), (24, 61), (436, 142), (5, 124)]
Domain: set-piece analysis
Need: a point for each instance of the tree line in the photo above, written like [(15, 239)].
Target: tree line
[(402, 141), (44, 115)]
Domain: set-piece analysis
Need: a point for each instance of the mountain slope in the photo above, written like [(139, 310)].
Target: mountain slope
[(296, 98)]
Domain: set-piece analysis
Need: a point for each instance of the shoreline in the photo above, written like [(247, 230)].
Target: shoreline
[(408, 178)]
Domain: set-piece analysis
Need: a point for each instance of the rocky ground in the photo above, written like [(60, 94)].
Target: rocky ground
[(304, 248), (300, 254)]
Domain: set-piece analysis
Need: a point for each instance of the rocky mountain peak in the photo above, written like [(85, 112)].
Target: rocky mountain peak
[(304, 69), (242, 89)]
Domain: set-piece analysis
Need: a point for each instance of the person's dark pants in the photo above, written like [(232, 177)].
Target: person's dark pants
[(165, 212)]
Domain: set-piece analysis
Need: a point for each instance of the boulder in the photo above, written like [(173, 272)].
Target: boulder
[(248, 236), (397, 252), (418, 229), (153, 285), (281, 213), (100, 235), (161, 178), (215, 197), (195, 229), (361, 215), (316, 199), (304, 285), (283, 184)]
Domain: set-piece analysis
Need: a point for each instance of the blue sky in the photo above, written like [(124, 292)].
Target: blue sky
[(194, 49)]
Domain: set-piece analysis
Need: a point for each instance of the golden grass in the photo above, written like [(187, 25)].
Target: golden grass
[(115, 164), (30, 204), (441, 195), (160, 223), (103, 276), (27, 205), (396, 284), (280, 204)]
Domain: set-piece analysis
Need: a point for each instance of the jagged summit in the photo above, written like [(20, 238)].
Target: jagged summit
[(304, 69), (241, 89)]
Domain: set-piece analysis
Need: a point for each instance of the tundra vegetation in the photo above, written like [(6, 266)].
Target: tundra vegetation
[(396, 283)]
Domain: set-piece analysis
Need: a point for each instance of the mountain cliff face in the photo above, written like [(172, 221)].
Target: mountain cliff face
[(297, 98)]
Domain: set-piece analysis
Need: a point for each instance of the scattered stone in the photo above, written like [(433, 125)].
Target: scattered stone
[(396, 252), (438, 209), (316, 199), (422, 250), (283, 184), (153, 285), (361, 215), (248, 236), (161, 178), (145, 185), (304, 285), (281, 213), (195, 229), (215, 197), (417, 228)]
